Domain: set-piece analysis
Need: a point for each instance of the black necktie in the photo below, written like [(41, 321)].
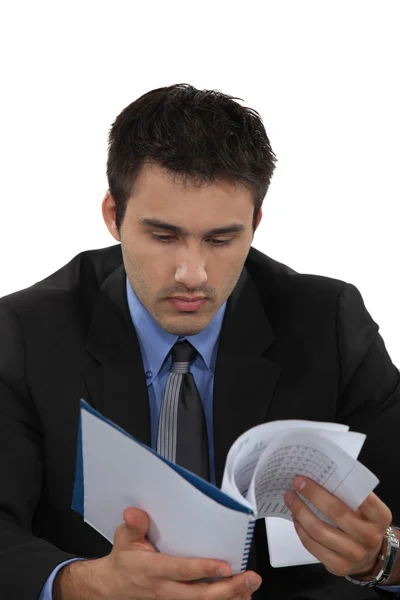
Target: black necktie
[(182, 431)]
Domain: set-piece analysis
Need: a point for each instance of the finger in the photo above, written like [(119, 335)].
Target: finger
[(326, 537), (172, 568), (231, 588), (349, 521), (239, 586), (332, 561), (375, 510)]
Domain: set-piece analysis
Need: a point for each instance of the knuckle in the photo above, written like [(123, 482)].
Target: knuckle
[(388, 517), (324, 535), (209, 568), (241, 588), (373, 539), (340, 512), (185, 571), (368, 502), (304, 537), (356, 554), (336, 510), (297, 525), (236, 588), (314, 530)]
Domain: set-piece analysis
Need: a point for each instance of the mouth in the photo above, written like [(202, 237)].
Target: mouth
[(186, 304)]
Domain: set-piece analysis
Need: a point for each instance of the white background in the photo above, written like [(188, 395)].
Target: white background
[(324, 75)]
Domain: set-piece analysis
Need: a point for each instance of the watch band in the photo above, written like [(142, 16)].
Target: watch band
[(385, 563)]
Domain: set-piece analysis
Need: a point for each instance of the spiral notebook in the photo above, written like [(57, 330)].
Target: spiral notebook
[(189, 516)]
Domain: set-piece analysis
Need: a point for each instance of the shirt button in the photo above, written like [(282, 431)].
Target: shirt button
[(149, 374)]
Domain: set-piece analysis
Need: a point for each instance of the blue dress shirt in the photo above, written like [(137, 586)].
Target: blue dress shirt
[(155, 345)]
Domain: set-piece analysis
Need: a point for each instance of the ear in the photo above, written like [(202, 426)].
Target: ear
[(259, 217), (108, 209)]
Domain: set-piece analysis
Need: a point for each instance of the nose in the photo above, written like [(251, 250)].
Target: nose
[(190, 270)]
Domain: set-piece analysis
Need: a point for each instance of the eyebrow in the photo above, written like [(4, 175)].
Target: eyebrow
[(158, 224)]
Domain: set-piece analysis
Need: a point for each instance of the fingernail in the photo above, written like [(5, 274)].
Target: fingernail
[(288, 497), (299, 483), (253, 583)]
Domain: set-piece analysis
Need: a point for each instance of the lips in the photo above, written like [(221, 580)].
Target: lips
[(187, 298), (185, 304)]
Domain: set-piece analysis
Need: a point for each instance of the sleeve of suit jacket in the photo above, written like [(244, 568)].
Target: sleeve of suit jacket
[(369, 396), (25, 560)]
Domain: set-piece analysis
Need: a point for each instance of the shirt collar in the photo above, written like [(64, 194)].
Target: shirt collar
[(155, 343)]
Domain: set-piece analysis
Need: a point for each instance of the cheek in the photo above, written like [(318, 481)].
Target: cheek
[(154, 276), (223, 272)]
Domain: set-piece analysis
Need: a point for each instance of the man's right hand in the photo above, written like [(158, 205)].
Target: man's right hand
[(134, 570)]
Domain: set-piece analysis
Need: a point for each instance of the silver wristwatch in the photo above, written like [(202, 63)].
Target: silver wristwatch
[(385, 563)]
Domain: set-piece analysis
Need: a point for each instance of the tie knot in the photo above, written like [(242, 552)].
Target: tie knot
[(183, 354)]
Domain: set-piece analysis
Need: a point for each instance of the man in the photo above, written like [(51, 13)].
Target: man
[(187, 172)]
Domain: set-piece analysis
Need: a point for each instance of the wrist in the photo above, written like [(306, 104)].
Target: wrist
[(80, 580), (386, 567)]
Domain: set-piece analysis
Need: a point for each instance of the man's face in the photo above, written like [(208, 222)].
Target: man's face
[(171, 249)]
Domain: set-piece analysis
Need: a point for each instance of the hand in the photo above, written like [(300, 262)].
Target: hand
[(134, 570), (353, 547)]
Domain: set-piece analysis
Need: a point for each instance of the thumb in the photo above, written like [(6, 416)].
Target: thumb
[(137, 520), (134, 529)]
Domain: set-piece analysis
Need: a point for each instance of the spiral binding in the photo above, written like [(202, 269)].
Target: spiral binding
[(247, 545)]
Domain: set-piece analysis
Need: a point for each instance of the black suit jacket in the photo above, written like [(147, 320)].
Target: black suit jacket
[(292, 346)]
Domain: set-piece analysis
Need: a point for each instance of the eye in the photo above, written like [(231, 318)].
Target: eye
[(165, 239), (220, 242)]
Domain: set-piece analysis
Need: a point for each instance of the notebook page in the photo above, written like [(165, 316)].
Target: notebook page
[(315, 456), (246, 450)]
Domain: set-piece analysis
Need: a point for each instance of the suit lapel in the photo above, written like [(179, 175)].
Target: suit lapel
[(244, 379), (117, 384)]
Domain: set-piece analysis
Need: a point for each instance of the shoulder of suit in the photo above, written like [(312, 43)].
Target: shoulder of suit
[(274, 278), (80, 277)]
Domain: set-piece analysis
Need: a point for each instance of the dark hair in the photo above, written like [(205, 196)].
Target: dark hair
[(198, 135)]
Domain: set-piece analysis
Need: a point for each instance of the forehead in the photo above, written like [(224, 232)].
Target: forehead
[(157, 189)]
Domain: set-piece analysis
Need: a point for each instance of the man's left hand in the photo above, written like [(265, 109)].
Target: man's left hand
[(352, 548)]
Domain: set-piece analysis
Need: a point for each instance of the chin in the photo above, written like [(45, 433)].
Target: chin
[(177, 328)]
